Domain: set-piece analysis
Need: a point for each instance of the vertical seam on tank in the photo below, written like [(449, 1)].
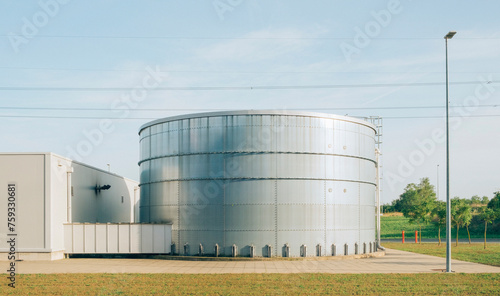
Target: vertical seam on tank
[(276, 197), (359, 204), (324, 217), (149, 176), (326, 183), (224, 137), (179, 143)]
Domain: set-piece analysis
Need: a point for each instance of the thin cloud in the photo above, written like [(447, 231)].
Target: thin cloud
[(269, 45)]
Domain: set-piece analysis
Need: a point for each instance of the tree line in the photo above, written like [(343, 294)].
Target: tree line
[(418, 202)]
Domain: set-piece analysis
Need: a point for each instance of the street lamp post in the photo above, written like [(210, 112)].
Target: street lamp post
[(448, 205), (437, 182)]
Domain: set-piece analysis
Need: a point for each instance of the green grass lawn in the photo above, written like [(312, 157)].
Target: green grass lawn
[(255, 284), (391, 227), (474, 252)]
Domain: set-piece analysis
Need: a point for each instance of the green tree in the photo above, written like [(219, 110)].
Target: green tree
[(485, 200), (417, 202), (439, 217), (487, 215), (467, 218), (461, 214), (475, 199), (455, 216), (495, 202)]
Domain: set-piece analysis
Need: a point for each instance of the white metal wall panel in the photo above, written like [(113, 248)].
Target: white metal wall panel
[(68, 238), (78, 238), (146, 238), (117, 238), (135, 238), (89, 239), (28, 172), (112, 238), (101, 234), (158, 238), (123, 238)]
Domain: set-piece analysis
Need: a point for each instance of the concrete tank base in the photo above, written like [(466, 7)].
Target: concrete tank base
[(322, 258)]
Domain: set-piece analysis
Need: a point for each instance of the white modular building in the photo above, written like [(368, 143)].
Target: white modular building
[(63, 207)]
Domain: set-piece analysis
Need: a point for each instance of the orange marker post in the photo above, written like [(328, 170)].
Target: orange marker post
[(416, 236), (403, 236)]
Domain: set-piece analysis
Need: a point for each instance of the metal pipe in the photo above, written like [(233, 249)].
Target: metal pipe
[(69, 216), (377, 159), (133, 212)]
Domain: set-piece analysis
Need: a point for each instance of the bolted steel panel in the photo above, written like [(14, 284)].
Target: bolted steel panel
[(305, 217), (163, 193), (201, 217), (346, 217), (367, 194), (164, 214), (249, 217), (367, 215), (250, 192), (300, 166), (300, 192)]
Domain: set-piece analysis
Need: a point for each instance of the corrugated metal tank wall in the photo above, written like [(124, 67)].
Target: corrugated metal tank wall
[(260, 178)]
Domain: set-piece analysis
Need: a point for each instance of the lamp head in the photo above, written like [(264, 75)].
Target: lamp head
[(450, 35)]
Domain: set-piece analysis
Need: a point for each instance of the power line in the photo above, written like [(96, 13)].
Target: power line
[(152, 118), (244, 72), (244, 38), (223, 109), (219, 88)]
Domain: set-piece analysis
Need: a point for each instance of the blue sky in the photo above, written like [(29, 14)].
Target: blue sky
[(396, 45)]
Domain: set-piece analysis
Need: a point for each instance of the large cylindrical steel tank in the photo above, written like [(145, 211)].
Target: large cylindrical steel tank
[(262, 179)]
